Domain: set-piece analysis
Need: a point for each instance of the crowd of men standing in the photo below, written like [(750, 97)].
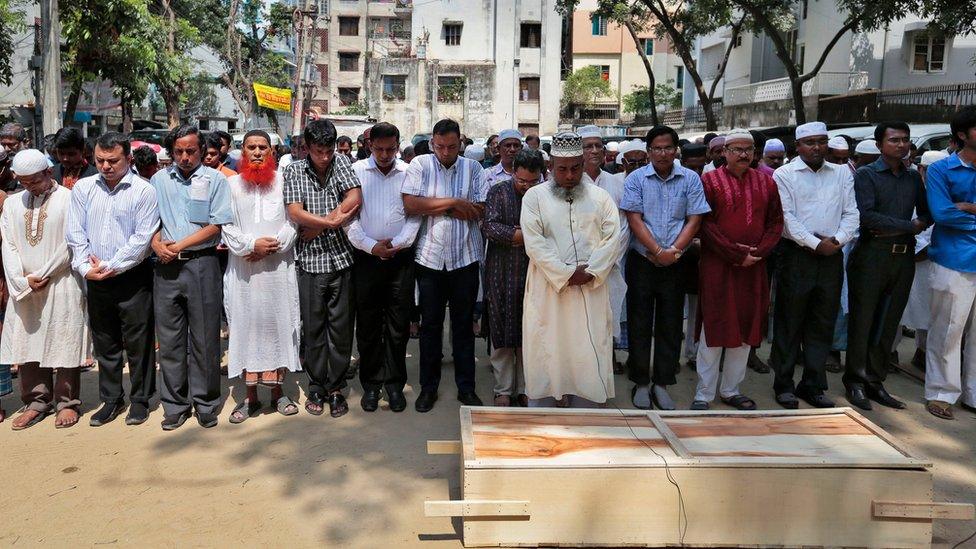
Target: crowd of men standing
[(119, 261)]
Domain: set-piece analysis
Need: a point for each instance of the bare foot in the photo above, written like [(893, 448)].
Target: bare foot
[(24, 419), (66, 418)]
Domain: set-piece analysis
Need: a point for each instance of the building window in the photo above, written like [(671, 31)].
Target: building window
[(531, 35), (394, 87), (324, 76), (348, 26), (805, 2), (450, 89), (647, 46), (528, 89), (679, 79), (452, 34), (378, 28), (348, 61), (599, 25), (928, 53), (604, 71), (323, 35), (348, 96)]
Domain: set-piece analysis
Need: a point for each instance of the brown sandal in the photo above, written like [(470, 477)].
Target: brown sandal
[(939, 409), (30, 423), (60, 423)]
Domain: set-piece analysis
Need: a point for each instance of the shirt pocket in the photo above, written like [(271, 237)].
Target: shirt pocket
[(679, 207), (198, 209), (272, 210)]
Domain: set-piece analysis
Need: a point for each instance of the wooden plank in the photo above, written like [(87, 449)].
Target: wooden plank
[(435, 447), (885, 436), (835, 424), (476, 508), (727, 507), (467, 440), (923, 510), (667, 434)]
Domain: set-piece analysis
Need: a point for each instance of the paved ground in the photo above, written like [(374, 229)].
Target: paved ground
[(359, 481)]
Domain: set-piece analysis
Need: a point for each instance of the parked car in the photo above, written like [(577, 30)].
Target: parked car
[(154, 136), (927, 137), (238, 138)]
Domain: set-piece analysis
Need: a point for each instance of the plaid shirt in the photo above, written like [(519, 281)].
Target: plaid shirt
[(330, 251)]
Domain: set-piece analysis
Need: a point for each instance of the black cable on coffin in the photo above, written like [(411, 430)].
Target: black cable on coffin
[(682, 513)]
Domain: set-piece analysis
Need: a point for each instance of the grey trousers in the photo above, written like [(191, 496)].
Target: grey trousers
[(188, 296)]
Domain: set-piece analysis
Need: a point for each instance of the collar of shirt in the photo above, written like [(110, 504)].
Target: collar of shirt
[(498, 169), (880, 165), (676, 171), (398, 166), (124, 182), (175, 173), (798, 164), (955, 162), (310, 171)]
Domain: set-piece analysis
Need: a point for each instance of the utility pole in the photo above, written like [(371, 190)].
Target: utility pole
[(50, 85), (305, 21)]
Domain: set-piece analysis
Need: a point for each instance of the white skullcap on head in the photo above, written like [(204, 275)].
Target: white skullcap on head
[(162, 155), (3, 152), (739, 134), (868, 146), (931, 157), (838, 143), (545, 156), (567, 145), (509, 134), (474, 152), (637, 145), (774, 145), (29, 162), (589, 131), (613, 146), (620, 158), (811, 129)]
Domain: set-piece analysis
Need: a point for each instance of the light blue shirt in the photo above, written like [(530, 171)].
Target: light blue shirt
[(188, 205), (947, 182), (115, 225), (665, 203)]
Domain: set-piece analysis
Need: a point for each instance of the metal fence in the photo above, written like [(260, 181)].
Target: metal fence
[(825, 83), (686, 118), (924, 104)]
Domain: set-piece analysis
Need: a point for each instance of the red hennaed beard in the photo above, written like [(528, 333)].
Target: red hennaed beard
[(258, 175)]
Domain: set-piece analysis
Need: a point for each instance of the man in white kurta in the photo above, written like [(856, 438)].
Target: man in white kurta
[(44, 328), (260, 284), (571, 231)]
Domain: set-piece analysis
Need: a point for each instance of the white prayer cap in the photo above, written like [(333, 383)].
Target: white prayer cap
[(931, 157), (613, 146), (545, 156), (774, 145), (838, 144), (474, 152), (739, 134), (620, 158), (29, 162), (162, 155), (509, 134), (567, 145), (589, 131), (868, 146), (3, 152), (811, 129)]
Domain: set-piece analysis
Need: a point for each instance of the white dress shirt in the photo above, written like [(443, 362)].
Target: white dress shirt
[(381, 216), (817, 202)]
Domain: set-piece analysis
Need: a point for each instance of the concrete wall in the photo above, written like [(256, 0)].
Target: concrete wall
[(767, 113)]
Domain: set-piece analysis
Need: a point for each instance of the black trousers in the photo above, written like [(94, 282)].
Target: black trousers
[(384, 299), (807, 299), (655, 314), (879, 283), (439, 289), (327, 320), (121, 318)]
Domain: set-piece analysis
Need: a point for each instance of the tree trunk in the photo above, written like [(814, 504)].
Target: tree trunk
[(172, 100), (796, 87), (72, 106), (171, 94), (652, 102), (126, 115), (273, 117)]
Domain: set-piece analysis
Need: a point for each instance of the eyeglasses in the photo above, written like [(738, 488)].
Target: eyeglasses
[(662, 150), (741, 151)]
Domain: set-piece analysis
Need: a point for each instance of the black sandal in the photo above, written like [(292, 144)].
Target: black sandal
[(316, 399), (244, 410), (740, 402)]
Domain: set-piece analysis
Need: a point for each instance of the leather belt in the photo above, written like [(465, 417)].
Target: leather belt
[(187, 255)]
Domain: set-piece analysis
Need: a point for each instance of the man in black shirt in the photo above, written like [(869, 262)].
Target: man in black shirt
[(893, 207)]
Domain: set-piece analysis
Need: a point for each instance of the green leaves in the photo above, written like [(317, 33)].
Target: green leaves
[(585, 85)]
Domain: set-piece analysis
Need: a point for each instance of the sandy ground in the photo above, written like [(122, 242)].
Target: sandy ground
[(359, 481)]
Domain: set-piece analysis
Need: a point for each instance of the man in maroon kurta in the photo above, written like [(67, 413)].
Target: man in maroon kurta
[(744, 225)]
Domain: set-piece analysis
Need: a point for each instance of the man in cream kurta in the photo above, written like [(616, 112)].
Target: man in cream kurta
[(44, 328), (571, 231)]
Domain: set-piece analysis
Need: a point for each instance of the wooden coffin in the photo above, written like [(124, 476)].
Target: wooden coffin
[(558, 477)]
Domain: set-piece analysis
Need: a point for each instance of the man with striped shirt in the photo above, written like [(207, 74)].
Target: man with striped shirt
[(449, 191), (111, 221)]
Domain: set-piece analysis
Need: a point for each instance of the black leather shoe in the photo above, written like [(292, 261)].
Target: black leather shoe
[(352, 372), (206, 420), (425, 402), (817, 400), (398, 402), (371, 400), (881, 395), (171, 423), (788, 401), (106, 414), (337, 405), (469, 398), (138, 414), (857, 397)]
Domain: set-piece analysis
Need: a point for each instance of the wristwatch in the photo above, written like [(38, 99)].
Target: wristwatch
[(677, 253)]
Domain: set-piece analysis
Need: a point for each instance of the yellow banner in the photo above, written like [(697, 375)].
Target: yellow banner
[(278, 99)]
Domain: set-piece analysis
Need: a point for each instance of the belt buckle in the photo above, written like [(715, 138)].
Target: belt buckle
[(899, 248), (181, 257)]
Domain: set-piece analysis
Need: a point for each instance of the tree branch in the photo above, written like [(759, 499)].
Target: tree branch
[(850, 25), (736, 28)]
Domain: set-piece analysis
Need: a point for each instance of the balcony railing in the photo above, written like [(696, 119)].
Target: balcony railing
[(825, 83), (593, 113), (377, 34), (403, 6)]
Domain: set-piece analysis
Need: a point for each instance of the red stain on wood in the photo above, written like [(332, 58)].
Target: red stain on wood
[(838, 424), (508, 445)]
